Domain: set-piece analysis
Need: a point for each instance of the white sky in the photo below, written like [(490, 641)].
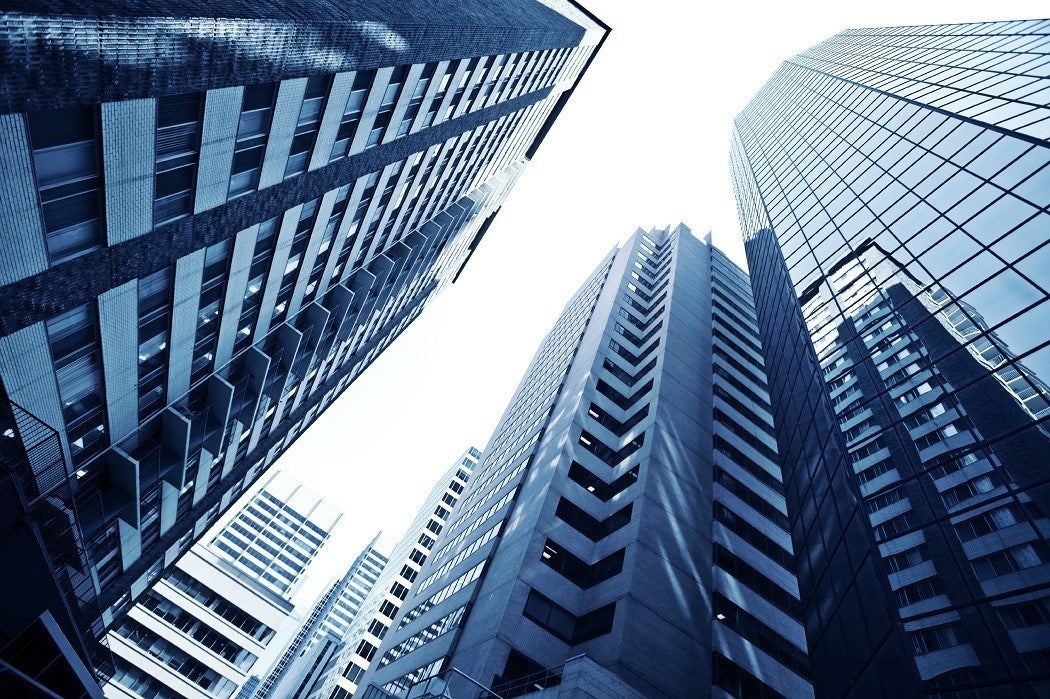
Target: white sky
[(643, 142)]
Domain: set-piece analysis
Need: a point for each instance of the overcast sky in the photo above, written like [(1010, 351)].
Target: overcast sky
[(643, 142)]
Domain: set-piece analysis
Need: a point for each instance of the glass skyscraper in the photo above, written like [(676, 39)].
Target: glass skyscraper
[(893, 187), (212, 220), (625, 532)]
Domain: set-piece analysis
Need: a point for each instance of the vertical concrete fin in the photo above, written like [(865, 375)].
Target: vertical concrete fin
[(222, 110), (129, 130), (332, 118), (282, 130), (189, 272), (23, 250), (118, 326)]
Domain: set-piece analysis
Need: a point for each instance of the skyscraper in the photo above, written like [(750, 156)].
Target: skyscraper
[(222, 616), (330, 618), (213, 219), (277, 534), (893, 188), (625, 531), (380, 607)]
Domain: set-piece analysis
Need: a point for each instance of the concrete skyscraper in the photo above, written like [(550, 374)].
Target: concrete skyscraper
[(625, 531), (213, 219), (893, 187), (401, 575)]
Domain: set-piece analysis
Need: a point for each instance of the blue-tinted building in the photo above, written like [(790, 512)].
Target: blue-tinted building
[(212, 220), (625, 531), (893, 187)]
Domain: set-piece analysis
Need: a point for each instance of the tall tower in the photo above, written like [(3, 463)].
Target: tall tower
[(625, 530), (893, 188), (330, 618), (213, 219), (380, 608)]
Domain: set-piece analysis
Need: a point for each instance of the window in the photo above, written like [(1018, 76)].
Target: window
[(68, 176), (1026, 614), (252, 130), (77, 359), (309, 122), (584, 575), (353, 673), (409, 573), (922, 590), (388, 609), (907, 559), (386, 107), (1011, 560), (178, 141), (355, 105), (937, 638), (398, 590), (378, 629), (366, 650), (971, 488), (560, 622)]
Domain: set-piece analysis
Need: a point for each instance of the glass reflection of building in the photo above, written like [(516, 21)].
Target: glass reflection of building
[(209, 227), (893, 187)]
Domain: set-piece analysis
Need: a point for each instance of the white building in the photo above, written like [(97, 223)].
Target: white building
[(222, 616), (200, 632)]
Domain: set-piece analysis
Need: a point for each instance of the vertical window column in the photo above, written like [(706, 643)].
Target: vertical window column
[(78, 370), (66, 157), (177, 145), (155, 293), (386, 106), (309, 122), (212, 286), (355, 105), (252, 130)]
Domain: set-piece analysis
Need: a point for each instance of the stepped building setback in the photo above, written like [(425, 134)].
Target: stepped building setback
[(625, 531)]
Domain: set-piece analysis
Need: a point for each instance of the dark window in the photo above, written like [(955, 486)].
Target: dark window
[(77, 359), (578, 571), (737, 682), (592, 528), (252, 131), (177, 146), (560, 622), (69, 179)]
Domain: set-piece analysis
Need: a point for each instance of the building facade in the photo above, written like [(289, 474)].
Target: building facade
[(380, 608), (330, 618), (205, 630), (893, 187), (277, 534), (222, 616), (212, 224), (628, 508)]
